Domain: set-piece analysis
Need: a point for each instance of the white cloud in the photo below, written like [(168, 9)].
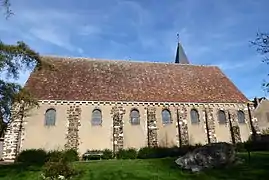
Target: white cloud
[(89, 30)]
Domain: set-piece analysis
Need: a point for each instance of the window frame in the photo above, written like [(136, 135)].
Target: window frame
[(196, 113), (132, 122), (244, 120), (170, 120), (93, 123), (223, 112), (47, 120)]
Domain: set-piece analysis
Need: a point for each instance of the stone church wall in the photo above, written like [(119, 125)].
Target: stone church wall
[(73, 128)]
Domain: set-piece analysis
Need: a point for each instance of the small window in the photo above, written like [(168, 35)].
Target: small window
[(135, 117), (166, 116), (241, 117), (194, 116), (96, 117), (222, 117), (50, 117)]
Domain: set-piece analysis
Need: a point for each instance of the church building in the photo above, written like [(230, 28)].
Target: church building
[(94, 104)]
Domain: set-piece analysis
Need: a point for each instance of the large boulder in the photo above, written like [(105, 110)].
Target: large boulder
[(208, 156)]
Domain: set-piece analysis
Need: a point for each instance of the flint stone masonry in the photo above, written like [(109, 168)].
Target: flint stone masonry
[(11, 141), (117, 116), (235, 127), (182, 110), (73, 121), (211, 125), (253, 119), (152, 127)]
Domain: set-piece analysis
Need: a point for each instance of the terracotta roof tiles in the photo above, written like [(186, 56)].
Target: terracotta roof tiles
[(80, 79)]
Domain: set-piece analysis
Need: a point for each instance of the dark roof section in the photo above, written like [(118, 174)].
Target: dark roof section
[(81, 79), (181, 57)]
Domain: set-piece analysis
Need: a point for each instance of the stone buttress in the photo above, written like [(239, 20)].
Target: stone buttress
[(152, 127), (117, 116), (73, 124)]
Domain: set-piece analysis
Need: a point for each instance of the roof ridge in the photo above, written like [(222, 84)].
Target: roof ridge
[(122, 60)]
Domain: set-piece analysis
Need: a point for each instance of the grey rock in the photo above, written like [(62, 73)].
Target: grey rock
[(208, 156)]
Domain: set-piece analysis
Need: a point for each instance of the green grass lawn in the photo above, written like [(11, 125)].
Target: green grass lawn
[(160, 169)]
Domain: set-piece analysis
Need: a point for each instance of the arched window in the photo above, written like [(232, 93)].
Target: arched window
[(222, 117), (134, 117), (194, 116), (96, 117), (166, 116), (50, 117), (241, 117)]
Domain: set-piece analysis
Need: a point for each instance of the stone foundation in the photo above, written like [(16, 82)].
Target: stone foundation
[(73, 123)]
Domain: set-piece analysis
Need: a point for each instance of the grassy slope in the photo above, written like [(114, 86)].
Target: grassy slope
[(161, 169)]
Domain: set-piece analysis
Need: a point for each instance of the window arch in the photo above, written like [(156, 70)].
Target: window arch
[(96, 117), (166, 116), (50, 117), (241, 116), (222, 117), (134, 117), (194, 116)]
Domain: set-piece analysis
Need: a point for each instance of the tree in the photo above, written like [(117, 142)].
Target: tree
[(6, 5), (262, 46), (16, 101)]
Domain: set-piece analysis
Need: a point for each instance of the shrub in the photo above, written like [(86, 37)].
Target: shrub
[(107, 154), (146, 153), (240, 147), (256, 146), (32, 156), (130, 153), (70, 155), (162, 152), (58, 170), (54, 156)]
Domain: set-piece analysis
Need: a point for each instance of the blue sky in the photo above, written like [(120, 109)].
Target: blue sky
[(212, 32)]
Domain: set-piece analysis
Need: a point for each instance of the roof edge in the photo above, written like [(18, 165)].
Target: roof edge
[(55, 57)]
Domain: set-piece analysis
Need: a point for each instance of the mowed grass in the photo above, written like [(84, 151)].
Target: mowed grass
[(149, 169)]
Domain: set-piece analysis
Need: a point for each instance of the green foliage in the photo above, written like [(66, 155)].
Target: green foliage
[(162, 152), (70, 155), (58, 170), (32, 156), (257, 146), (149, 169), (240, 147), (40, 156), (107, 154), (13, 59), (54, 156), (130, 153)]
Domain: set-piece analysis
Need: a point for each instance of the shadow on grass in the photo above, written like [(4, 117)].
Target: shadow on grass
[(19, 169), (162, 169), (257, 167)]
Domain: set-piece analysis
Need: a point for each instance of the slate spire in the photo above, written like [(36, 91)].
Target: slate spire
[(181, 57)]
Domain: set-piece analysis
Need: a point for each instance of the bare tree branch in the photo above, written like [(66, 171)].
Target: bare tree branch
[(7, 10)]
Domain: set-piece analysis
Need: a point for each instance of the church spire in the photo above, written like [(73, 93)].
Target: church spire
[(181, 57)]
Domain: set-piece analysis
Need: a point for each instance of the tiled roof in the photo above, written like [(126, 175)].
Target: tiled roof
[(81, 79)]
